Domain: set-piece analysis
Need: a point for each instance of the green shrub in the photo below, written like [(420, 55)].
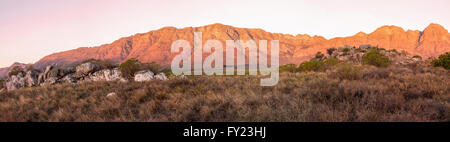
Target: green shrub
[(331, 50), (311, 66), (330, 62), (374, 57), (417, 56), (288, 68), (348, 71), (346, 50), (442, 61), (129, 67), (15, 71), (167, 72), (319, 55)]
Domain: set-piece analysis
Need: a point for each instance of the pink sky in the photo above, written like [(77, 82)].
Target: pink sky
[(32, 29)]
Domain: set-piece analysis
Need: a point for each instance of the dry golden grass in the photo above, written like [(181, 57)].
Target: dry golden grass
[(341, 94)]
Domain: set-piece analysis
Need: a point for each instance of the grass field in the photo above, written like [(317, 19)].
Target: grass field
[(349, 93)]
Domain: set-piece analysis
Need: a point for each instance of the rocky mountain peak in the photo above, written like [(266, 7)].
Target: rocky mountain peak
[(154, 46)]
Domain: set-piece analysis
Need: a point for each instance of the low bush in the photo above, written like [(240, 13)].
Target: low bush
[(374, 57), (313, 65), (442, 61), (330, 62), (319, 55), (346, 50), (417, 56), (331, 50), (167, 72), (348, 71), (288, 68)]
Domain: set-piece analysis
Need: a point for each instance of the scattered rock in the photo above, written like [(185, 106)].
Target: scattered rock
[(108, 75), (112, 94), (85, 69), (161, 76), (68, 79), (143, 76)]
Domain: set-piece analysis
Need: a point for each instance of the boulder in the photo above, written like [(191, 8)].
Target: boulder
[(161, 76), (143, 76), (85, 69), (15, 82), (107, 75), (50, 81), (68, 79), (31, 78), (44, 75), (112, 94)]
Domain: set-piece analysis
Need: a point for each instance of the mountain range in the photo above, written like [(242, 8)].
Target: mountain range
[(154, 46)]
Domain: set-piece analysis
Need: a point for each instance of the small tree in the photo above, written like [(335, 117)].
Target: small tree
[(129, 67), (442, 61), (374, 57), (348, 71), (331, 50), (319, 55)]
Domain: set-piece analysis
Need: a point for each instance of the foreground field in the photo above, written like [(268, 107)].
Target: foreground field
[(343, 94)]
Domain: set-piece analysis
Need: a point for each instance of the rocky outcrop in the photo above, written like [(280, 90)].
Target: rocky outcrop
[(83, 73), (20, 80), (31, 78), (154, 46), (4, 71), (68, 79), (108, 75), (15, 82), (355, 55), (49, 81), (161, 76), (143, 76), (85, 69)]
